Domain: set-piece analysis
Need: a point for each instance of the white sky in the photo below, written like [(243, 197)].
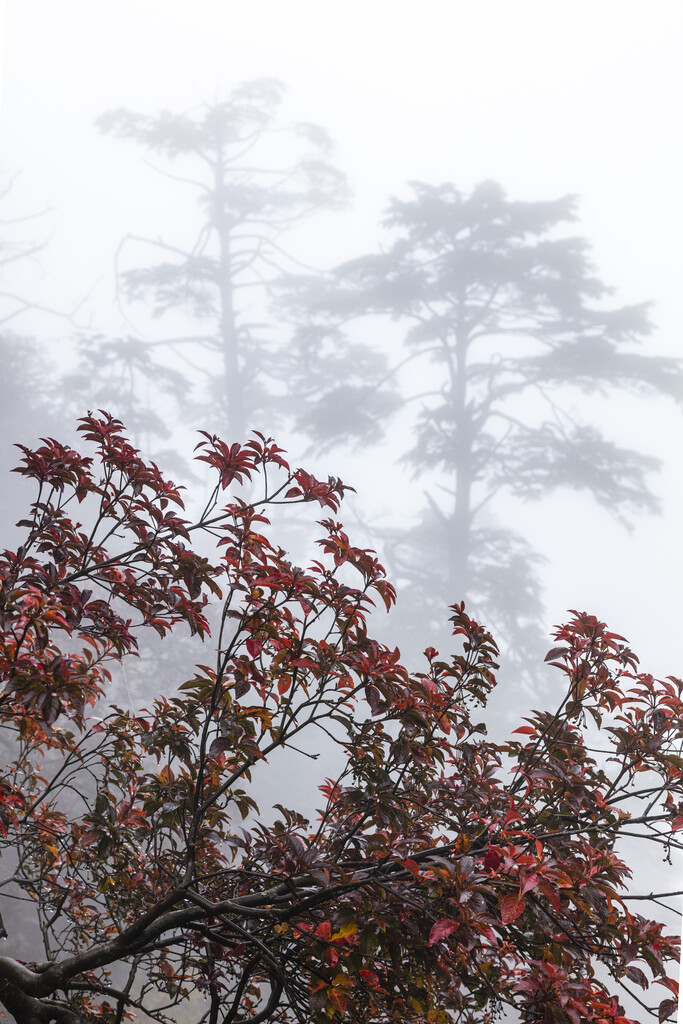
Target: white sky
[(548, 98), (581, 96)]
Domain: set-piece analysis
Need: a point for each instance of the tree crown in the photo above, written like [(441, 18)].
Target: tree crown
[(443, 876)]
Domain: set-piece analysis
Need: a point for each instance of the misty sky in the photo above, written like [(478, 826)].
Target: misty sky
[(546, 98)]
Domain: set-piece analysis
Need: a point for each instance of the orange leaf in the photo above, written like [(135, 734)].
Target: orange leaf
[(337, 998), (412, 867)]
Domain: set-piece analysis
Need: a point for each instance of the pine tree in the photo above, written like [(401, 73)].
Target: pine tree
[(508, 309), (253, 186)]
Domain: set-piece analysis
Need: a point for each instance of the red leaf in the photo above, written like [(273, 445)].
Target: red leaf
[(254, 647), (370, 978), (556, 652), (511, 816), (492, 860), (551, 894), (527, 883), (527, 729), (511, 907), (677, 824), (442, 929)]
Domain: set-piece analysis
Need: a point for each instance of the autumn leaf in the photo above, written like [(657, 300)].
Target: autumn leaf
[(338, 1000), (412, 866), (528, 882), (492, 860), (254, 647), (370, 978), (666, 1009), (511, 907), (556, 652), (422, 833), (442, 929), (550, 893), (635, 974)]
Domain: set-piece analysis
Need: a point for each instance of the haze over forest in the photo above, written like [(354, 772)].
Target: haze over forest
[(435, 252), (543, 105)]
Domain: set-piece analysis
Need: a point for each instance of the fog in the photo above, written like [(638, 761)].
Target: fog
[(546, 100), (546, 103)]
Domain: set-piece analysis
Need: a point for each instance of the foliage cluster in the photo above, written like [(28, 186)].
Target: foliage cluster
[(444, 878)]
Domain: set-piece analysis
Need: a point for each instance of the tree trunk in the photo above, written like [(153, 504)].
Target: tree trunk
[(460, 540), (233, 384)]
